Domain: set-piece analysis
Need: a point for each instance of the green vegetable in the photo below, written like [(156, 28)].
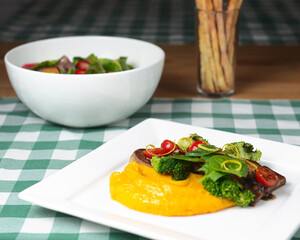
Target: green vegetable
[(92, 58), (245, 150), (70, 71), (45, 64), (219, 165), (227, 188), (167, 165), (204, 154), (110, 65), (95, 67), (195, 137), (188, 158), (76, 60), (124, 65)]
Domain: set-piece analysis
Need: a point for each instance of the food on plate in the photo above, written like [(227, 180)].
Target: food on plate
[(89, 65), (192, 177)]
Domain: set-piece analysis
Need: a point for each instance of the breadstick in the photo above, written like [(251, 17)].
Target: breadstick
[(205, 51), (227, 67), (220, 81), (229, 18), (205, 48), (232, 37)]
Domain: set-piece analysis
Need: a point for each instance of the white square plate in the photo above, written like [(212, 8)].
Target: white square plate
[(82, 189)]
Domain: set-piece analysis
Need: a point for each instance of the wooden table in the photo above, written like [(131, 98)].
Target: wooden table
[(263, 72)]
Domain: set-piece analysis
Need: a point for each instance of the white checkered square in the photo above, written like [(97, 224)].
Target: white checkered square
[(37, 225), (8, 107), (294, 140), (3, 197), (2, 119), (282, 124), (27, 136), (64, 154), (202, 122), (17, 154), (161, 108), (204, 107), (282, 110), (9, 174), (33, 120), (245, 123), (68, 135), (239, 108), (108, 135), (122, 123)]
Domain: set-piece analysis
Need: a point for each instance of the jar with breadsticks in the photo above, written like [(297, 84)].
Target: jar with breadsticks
[(217, 40)]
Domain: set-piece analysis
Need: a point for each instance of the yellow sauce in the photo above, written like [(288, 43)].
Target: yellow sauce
[(140, 188)]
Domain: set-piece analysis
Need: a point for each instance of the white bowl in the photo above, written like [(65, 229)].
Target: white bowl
[(85, 100)]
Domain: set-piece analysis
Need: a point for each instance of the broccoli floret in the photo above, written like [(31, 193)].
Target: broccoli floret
[(244, 198), (195, 137), (227, 188), (213, 187), (179, 169), (245, 150)]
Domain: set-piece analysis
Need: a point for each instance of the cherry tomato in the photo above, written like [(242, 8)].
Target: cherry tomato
[(146, 154), (155, 152), (28, 65), (81, 71), (83, 64), (167, 144), (194, 146), (265, 176)]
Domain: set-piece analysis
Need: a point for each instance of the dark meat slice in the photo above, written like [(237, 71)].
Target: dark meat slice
[(64, 64), (196, 166), (254, 186), (139, 157)]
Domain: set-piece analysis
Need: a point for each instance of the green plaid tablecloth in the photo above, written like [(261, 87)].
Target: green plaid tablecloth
[(159, 21), (32, 149)]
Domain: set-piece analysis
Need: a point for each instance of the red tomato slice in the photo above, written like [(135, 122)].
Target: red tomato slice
[(265, 176), (81, 71), (194, 146), (83, 64), (155, 152), (146, 154), (28, 65), (167, 144), (166, 147)]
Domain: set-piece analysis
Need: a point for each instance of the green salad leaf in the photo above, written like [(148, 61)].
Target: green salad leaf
[(45, 64), (110, 65), (187, 158), (204, 153), (219, 165), (123, 63), (95, 67)]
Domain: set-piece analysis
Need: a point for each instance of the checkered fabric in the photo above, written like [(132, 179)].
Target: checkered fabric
[(159, 21), (32, 149)]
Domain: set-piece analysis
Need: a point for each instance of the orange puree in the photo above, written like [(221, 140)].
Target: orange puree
[(140, 188)]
